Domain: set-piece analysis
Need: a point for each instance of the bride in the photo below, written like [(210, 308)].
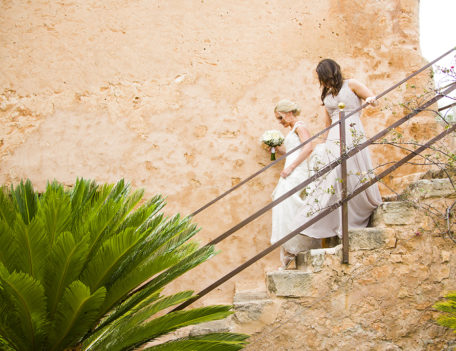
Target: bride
[(295, 171)]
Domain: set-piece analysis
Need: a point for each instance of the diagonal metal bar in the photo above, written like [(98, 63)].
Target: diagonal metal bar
[(329, 167), (315, 219), (447, 106), (315, 136)]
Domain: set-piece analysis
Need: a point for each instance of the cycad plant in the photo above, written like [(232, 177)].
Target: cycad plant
[(448, 308), (83, 268)]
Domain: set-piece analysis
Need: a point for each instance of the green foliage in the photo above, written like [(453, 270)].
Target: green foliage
[(448, 308), (84, 267)]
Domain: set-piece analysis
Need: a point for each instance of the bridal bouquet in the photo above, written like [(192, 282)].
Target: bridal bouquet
[(272, 138)]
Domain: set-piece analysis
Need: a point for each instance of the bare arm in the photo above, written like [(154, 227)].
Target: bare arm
[(328, 122), (305, 151), (362, 91)]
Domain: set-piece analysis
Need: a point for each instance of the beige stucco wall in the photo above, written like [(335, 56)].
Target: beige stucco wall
[(174, 95)]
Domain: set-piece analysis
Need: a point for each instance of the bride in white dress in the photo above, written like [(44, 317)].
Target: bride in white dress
[(295, 171)]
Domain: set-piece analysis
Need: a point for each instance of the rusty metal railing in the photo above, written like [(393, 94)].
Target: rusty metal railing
[(336, 205), (244, 181), (345, 154), (343, 174)]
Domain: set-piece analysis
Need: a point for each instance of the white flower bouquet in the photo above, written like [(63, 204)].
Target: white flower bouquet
[(272, 138)]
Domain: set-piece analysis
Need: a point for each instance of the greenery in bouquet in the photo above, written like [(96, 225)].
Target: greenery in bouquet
[(272, 138)]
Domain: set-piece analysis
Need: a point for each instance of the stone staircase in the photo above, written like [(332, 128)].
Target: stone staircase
[(320, 271)]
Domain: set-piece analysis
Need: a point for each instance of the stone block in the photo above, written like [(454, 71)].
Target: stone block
[(291, 283), (314, 260), (430, 188), (218, 326), (394, 213), (371, 238), (245, 312), (250, 295)]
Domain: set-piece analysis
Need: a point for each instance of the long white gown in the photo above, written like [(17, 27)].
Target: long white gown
[(284, 213), (327, 190)]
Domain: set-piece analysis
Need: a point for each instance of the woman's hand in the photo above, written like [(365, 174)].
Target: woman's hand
[(280, 149), (286, 172), (371, 100), (362, 91)]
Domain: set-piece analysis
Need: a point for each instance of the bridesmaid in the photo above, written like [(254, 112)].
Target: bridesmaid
[(327, 189)]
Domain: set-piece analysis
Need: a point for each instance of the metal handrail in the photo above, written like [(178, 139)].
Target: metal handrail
[(316, 136), (343, 202), (327, 168), (330, 209)]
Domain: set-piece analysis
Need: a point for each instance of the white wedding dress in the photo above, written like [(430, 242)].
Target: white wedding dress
[(284, 213)]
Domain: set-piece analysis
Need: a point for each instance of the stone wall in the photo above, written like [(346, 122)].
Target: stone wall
[(174, 95), (382, 300)]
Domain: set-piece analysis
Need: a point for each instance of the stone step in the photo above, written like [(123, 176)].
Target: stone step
[(219, 326), (429, 188), (371, 238), (290, 283), (253, 310), (359, 239), (250, 305), (314, 260), (394, 213), (250, 295)]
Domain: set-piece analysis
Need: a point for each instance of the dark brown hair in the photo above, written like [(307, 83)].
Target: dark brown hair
[(330, 77)]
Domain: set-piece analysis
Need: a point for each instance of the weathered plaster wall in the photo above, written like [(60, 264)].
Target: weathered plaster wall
[(174, 95)]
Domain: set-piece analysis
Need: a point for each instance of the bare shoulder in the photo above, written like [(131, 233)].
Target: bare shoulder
[(354, 84), (359, 89), (302, 131)]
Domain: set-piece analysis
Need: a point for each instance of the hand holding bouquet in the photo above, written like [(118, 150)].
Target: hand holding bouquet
[(272, 138)]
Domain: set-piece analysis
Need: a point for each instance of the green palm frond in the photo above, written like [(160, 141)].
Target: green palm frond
[(64, 266), (448, 309), (151, 257), (25, 200), (75, 314), (87, 264), (8, 249), (7, 219), (166, 277), (109, 258), (82, 197), (25, 298), (54, 208), (31, 244), (134, 317), (119, 291), (145, 213), (100, 329), (162, 325), (207, 342), (7, 207), (184, 265), (5, 345), (115, 205)]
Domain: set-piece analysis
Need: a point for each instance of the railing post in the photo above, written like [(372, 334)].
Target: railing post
[(343, 167)]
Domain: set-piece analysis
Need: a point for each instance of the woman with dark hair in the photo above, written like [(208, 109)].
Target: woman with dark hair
[(326, 190)]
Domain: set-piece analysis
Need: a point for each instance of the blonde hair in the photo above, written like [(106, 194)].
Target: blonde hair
[(288, 106)]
